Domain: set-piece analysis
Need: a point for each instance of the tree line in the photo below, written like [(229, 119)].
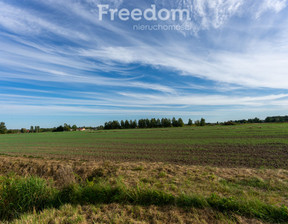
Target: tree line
[(150, 123), (127, 124), (37, 129), (141, 123), (274, 119)]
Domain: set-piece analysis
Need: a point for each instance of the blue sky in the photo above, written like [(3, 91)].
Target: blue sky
[(60, 63)]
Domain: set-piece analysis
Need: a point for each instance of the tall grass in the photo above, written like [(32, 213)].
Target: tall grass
[(19, 195), (256, 209)]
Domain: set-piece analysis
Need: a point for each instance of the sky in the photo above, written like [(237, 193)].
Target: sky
[(61, 63)]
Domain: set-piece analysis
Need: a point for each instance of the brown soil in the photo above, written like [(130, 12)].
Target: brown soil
[(245, 156)]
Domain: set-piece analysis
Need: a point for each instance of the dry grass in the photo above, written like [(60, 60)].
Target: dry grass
[(267, 185), (175, 179), (115, 213), (65, 170)]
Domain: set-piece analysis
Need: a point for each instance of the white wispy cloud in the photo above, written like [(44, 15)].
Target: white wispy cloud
[(129, 99), (205, 14), (201, 99), (21, 21), (271, 5), (253, 68)]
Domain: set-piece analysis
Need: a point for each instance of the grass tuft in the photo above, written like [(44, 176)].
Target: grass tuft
[(192, 201), (256, 209), (19, 195)]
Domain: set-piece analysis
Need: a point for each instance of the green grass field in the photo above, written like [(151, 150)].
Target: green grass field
[(255, 145)]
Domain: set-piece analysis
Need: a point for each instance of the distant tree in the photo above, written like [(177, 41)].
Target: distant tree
[(153, 123), (268, 119), (174, 122), (31, 129), (148, 123), (158, 123), (190, 122), (3, 128), (47, 129), (229, 123), (254, 120), (67, 127), (144, 123), (257, 120), (277, 119), (37, 129), (141, 123), (122, 124), (59, 129), (134, 124), (130, 124), (180, 122), (112, 125), (23, 130), (163, 122), (74, 127), (202, 122), (243, 121), (108, 125), (12, 131), (115, 125), (166, 122), (101, 127), (197, 123), (127, 124)]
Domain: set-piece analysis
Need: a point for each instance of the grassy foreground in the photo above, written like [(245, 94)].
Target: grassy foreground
[(20, 195), (139, 192)]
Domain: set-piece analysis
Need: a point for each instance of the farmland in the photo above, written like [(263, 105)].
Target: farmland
[(255, 145), (211, 174)]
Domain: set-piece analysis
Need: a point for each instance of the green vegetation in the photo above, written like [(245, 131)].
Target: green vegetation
[(19, 195), (277, 119), (249, 145), (144, 123), (3, 128)]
